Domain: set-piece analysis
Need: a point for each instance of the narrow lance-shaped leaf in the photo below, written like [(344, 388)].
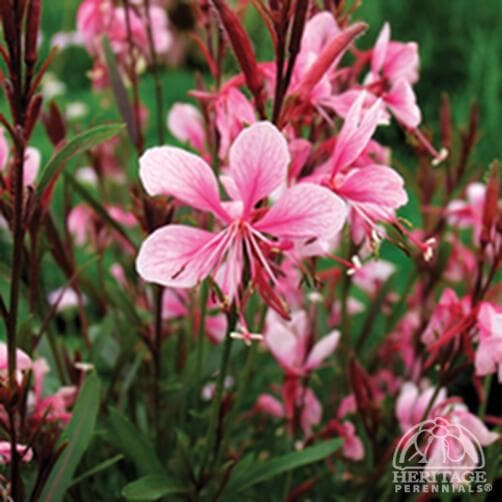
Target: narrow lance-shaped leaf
[(77, 437), (151, 487), (133, 444), (120, 94), (247, 474), (80, 143)]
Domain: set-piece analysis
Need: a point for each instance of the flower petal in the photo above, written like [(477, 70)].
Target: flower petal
[(377, 191), (172, 171), (305, 211), (186, 124), (403, 104), (178, 256), (259, 160), (321, 350), (356, 132)]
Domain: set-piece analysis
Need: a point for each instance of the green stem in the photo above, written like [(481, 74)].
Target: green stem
[(204, 294), (215, 419), (486, 392)]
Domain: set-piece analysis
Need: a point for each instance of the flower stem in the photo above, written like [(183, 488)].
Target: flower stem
[(215, 420)]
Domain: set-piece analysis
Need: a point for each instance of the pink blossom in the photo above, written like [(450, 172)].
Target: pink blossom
[(187, 125), (373, 274), (448, 312), (374, 191), (23, 361), (290, 343), (181, 256), (25, 453), (412, 404), (296, 398), (64, 298), (52, 408), (488, 358)]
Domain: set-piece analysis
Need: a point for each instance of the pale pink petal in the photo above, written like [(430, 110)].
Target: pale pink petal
[(300, 150), (229, 275), (320, 30), (321, 350), (186, 124), (259, 160), (356, 133), (405, 405), (305, 211), (23, 361), (5, 452), (402, 62), (353, 448), (474, 425), (31, 166), (377, 191), (488, 355), (311, 412), (178, 256), (380, 49), (283, 345), (270, 405), (168, 170), (174, 303), (4, 150), (402, 102)]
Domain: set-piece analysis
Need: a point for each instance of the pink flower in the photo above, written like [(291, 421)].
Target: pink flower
[(296, 399), (25, 453), (469, 213), (4, 150), (394, 61), (31, 164), (374, 192), (180, 256), (233, 113), (187, 125), (64, 298), (412, 403), (373, 274), (353, 448), (448, 313), (290, 344), (51, 408), (394, 68), (23, 361), (488, 358)]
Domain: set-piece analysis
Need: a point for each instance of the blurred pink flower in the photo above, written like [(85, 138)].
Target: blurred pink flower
[(290, 342)]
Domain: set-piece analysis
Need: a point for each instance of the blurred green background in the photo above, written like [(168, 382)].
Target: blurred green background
[(460, 50)]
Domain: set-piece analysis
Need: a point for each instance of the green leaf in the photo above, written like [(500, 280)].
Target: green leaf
[(98, 207), (77, 437), (133, 444), (151, 487), (247, 474), (75, 146), (120, 92), (98, 468)]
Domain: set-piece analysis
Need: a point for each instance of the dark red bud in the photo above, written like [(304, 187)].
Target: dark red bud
[(243, 51), (32, 29), (491, 205), (32, 115), (54, 124)]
